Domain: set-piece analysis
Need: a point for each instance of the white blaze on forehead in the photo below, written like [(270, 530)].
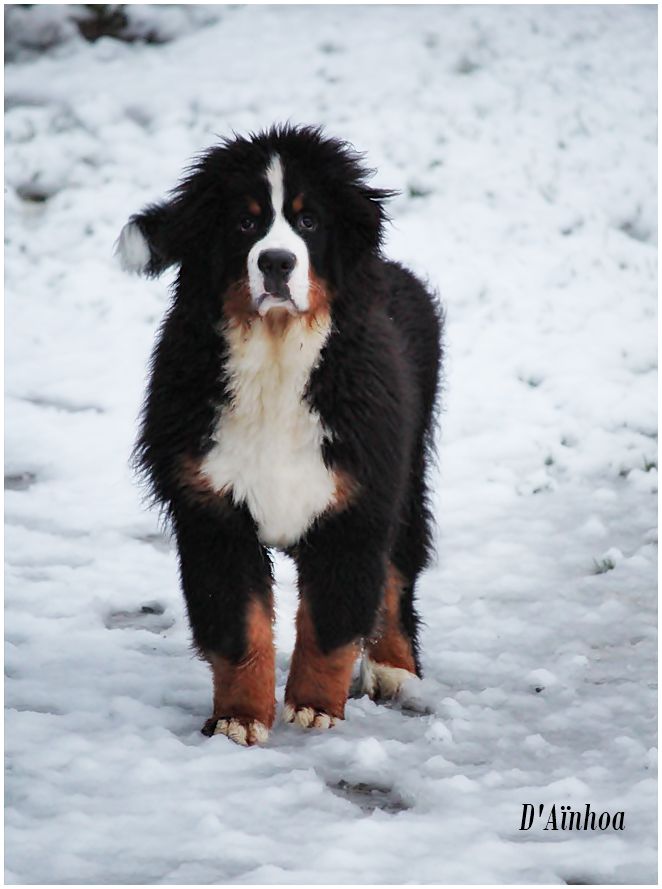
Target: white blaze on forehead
[(281, 236), (276, 184)]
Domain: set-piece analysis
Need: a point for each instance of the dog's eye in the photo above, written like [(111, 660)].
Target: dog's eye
[(306, 222), (247, 223)]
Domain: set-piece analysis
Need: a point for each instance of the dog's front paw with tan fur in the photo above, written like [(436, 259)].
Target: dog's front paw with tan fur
[(243, 730), (308, 717)]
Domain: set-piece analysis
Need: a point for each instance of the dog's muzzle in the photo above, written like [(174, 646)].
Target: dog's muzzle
[(276, 267)]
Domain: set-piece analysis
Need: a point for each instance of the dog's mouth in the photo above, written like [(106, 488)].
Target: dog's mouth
[(281, 300)]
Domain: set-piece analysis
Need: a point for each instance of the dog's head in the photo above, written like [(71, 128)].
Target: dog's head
[(265, 222)]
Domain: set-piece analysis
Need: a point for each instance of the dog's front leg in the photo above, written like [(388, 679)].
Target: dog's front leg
[(227, 579), (319, 678), (341, 575)]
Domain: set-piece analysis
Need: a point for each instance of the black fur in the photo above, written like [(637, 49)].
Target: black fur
[(374, 389)]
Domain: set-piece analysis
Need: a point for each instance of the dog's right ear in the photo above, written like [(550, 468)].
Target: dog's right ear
[(146, 243)]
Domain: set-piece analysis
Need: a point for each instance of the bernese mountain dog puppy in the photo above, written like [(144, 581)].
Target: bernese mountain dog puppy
[(291, 405)]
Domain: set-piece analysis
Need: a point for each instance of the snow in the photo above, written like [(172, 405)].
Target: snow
[(523, 140)]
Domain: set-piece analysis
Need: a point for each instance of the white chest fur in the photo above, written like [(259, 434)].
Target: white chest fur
[(267, 443)]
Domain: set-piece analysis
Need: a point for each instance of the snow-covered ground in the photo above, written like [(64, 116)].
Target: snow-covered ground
[(523, 141)]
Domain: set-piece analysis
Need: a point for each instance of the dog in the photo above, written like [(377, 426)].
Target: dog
[(291, 405)]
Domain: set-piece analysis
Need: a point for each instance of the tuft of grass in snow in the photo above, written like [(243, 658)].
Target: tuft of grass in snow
[(634, 229), (19, 481), (418, 191), (601, 566), (466, 66), (532, 380), (33, 193), (647, 465), (330, 48)]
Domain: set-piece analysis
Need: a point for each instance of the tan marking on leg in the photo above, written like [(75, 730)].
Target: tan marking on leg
[(191, 476), (391, 647), (346, 490), (197, 485), (247, 690), (318, 683)]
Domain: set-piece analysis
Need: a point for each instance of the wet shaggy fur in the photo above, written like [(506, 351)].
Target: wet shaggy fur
[(371, 389)]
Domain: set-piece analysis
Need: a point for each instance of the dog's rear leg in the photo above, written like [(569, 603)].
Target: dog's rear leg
[(226, 578), (390, 656)]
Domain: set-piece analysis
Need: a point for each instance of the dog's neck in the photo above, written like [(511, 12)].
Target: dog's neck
[(276, 353)]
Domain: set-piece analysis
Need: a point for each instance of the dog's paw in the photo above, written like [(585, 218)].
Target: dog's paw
[(381, 682), (308, 717), (241, 729)]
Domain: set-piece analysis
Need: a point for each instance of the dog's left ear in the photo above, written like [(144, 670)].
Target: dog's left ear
[(147, 244), (171, 231)]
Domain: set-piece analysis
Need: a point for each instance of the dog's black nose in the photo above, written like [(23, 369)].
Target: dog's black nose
[(276, 264)]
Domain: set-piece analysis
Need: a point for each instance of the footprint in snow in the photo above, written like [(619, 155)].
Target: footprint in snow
[(150, 616), (369, 797)]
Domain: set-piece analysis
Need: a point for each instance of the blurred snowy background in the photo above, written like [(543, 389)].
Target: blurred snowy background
[(523, 143)]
